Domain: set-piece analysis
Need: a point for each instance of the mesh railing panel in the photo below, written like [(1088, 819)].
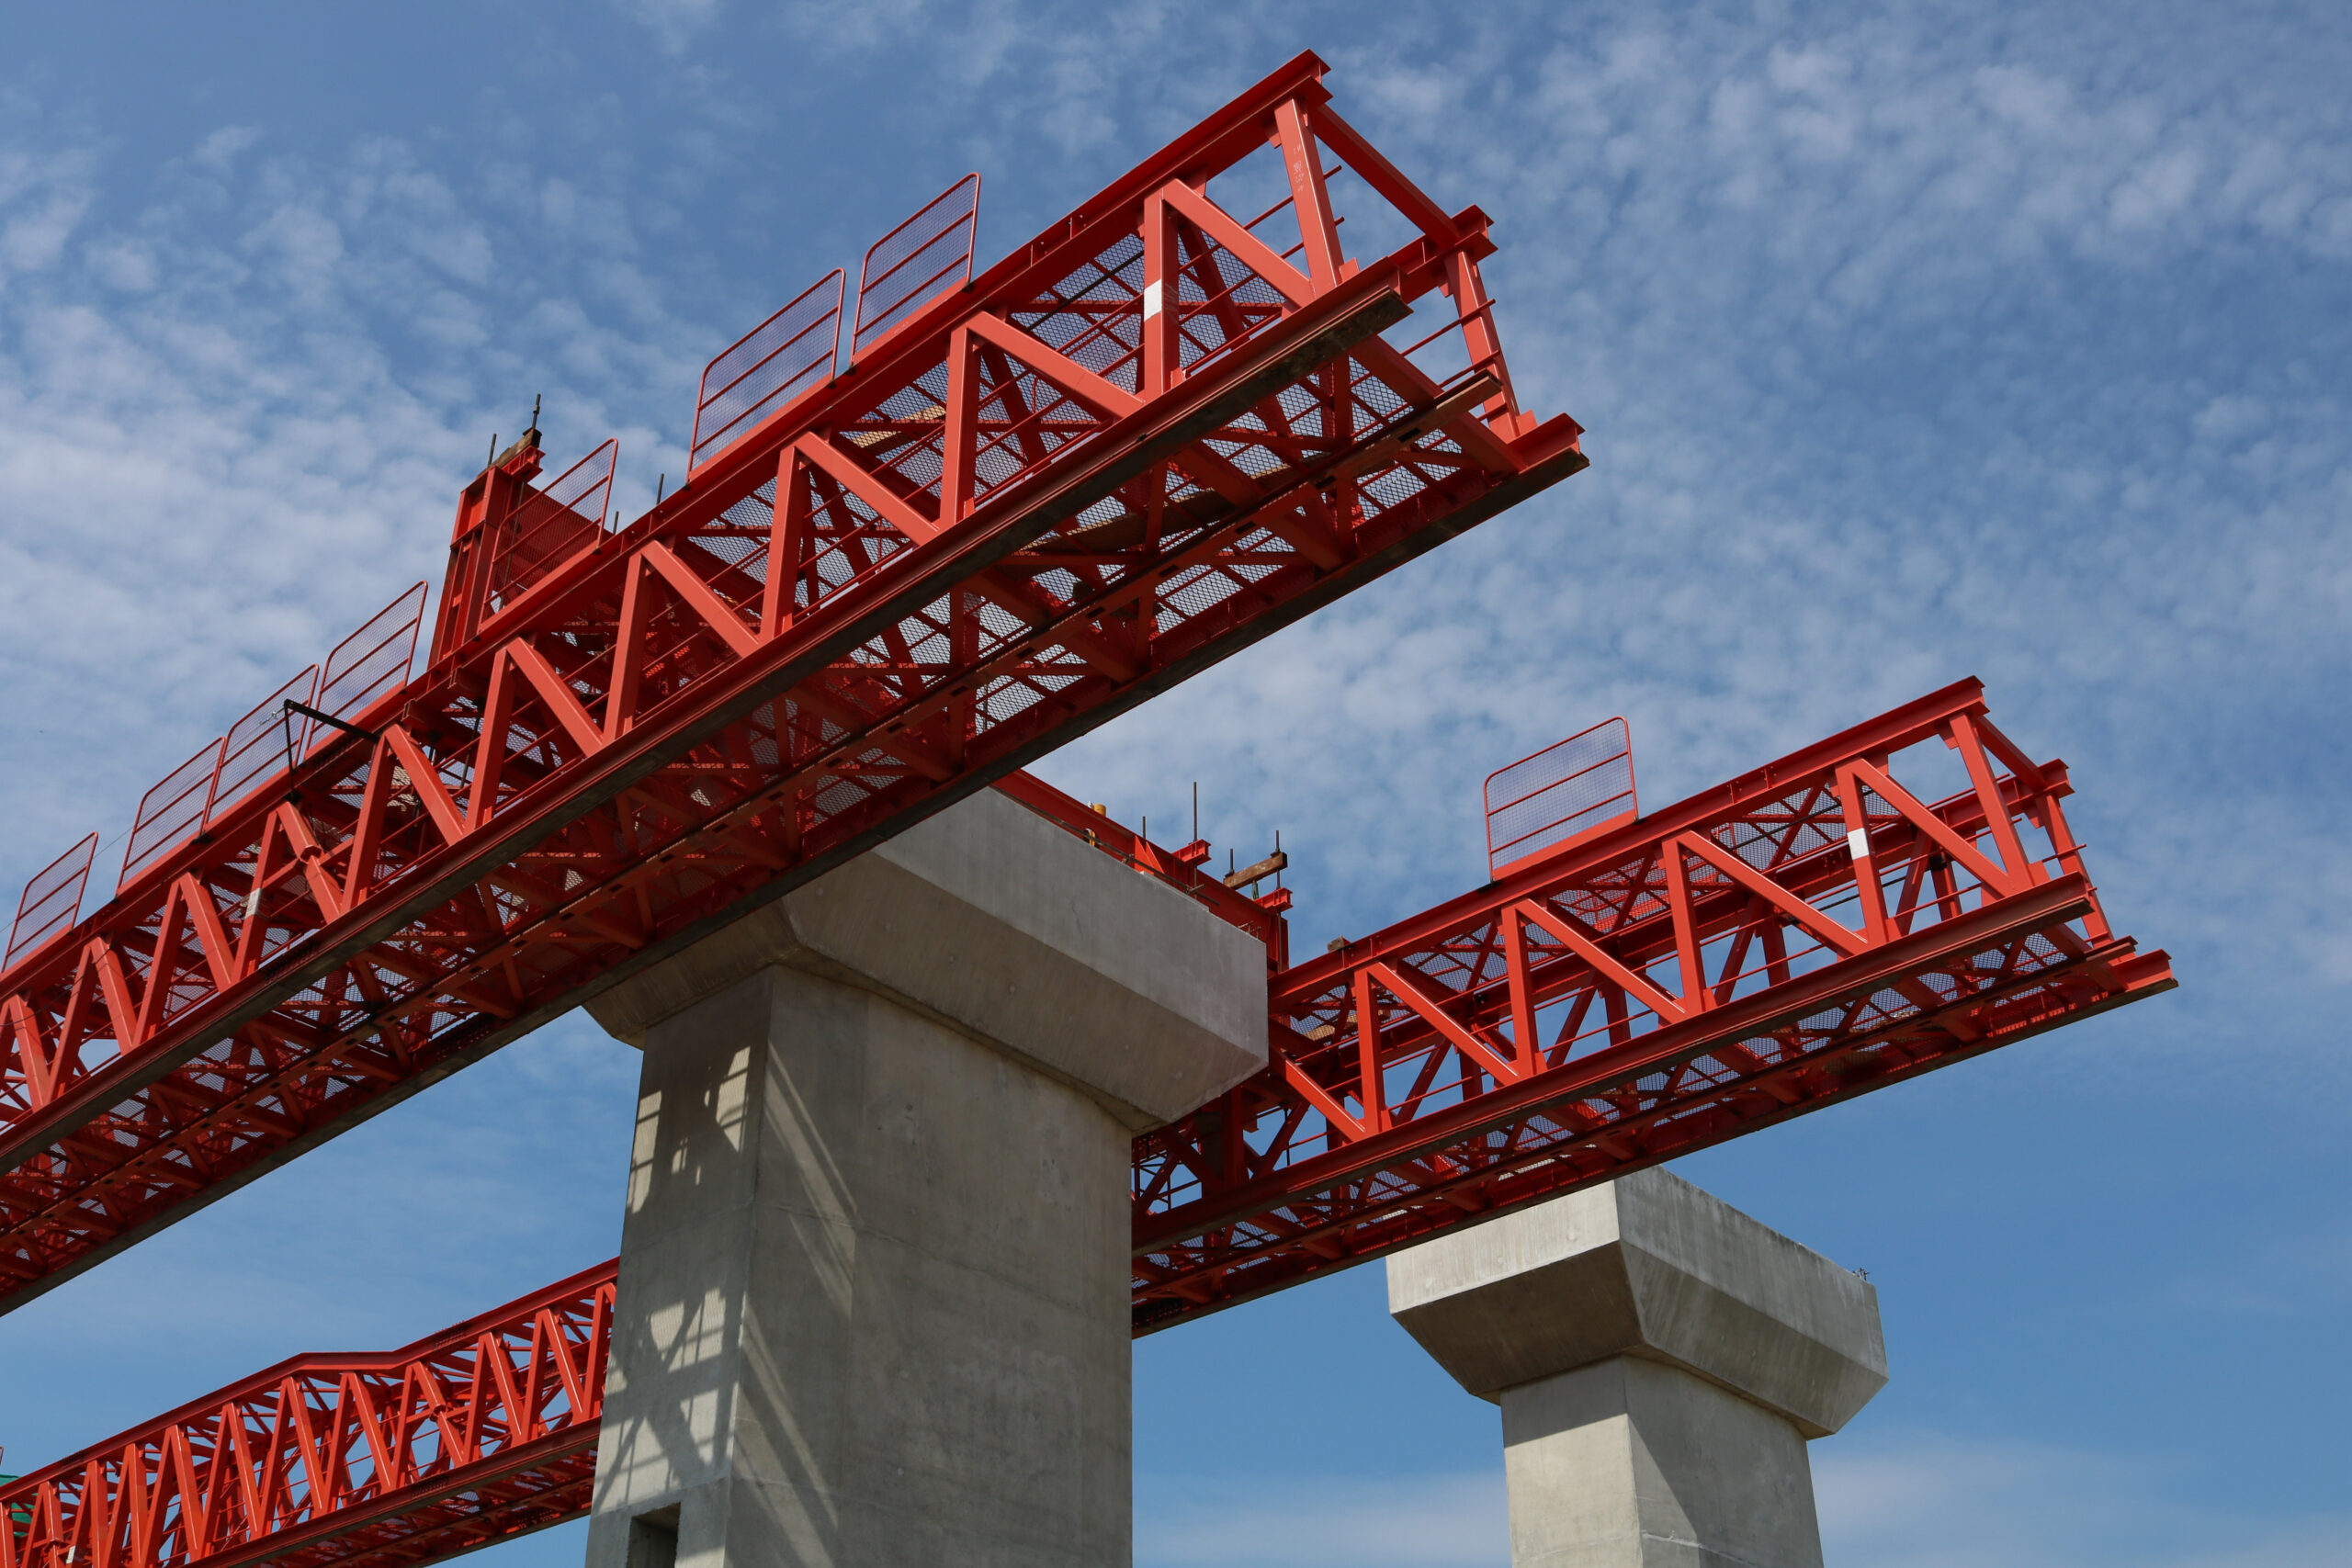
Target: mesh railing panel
[(768, 365), (552, 525), (52, 900), (372, 660), (365, 665), (1541, 801), (170, 811), (256, 745), (916, 261)]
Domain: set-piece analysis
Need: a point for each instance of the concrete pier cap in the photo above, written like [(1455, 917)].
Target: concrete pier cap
[(1647, 1266), (872, 1305), (1014, 931), (1662, 1360)]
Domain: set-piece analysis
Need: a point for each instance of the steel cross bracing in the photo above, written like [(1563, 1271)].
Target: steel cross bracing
[(1148, 436), (1802, 934), (481, 1432), (1816, 928)]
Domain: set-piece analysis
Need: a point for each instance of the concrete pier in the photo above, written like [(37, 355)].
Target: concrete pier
[(1662, 1360), (874, 1284)]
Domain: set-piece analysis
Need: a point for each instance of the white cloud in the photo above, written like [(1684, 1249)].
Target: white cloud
[(219, 151), (1412, 1521), (1938, 1502), (232, 421), (1912, 1501), (674, 24), (308, 246), (44, 192)]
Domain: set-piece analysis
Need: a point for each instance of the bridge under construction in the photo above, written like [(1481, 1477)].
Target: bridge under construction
[(952, 1083)]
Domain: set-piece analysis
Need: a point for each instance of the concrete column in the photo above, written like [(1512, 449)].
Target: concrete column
[(874, 1285), (1662, 1360)]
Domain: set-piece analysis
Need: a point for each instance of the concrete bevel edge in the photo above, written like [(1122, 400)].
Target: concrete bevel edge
[(1652, 1267), (1001, 925)]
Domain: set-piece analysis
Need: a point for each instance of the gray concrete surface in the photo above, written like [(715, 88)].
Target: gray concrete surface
[(993, 919), (873, 1300), (1662, 1360)]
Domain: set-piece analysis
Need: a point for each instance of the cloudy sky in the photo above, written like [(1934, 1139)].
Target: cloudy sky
[(1913, 342)]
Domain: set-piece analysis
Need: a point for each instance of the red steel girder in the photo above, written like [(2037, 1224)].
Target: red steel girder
[(483, 1431), (1973, 941), (1139, 442), (1805, 934)]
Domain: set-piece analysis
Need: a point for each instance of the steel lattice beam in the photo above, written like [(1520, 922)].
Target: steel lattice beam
[(1797, 936), (483, 1431), (1142, 441)]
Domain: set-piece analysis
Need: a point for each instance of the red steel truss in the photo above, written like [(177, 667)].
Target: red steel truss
[(1814, 929), (1148, 436), (1805, 934), (483, 1431)]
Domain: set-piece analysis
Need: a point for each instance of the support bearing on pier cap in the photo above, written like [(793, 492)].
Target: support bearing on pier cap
[(1662, 1360)]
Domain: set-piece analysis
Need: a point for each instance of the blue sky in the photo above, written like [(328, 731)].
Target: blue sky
[(1914, 342)]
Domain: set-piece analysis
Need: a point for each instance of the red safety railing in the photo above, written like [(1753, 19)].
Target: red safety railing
[(367, 666), (550, 525), (1039, 501), (370, 664), (52, 900), (915, 263), (257, 745), (1542, 803), (171, 811), (760, 373)]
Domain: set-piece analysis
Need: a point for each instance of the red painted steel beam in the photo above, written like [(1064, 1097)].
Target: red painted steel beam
[(1977, 941), (1137, 443), (1805, 934), (484, 1431)]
